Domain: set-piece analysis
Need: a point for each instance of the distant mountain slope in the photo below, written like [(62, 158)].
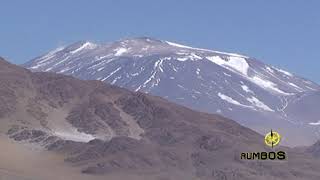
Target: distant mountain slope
[(256, 95)]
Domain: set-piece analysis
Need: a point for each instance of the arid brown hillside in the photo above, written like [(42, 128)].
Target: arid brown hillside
[(72, 129)]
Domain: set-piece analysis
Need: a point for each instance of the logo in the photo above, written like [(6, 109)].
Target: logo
[(271, 139)]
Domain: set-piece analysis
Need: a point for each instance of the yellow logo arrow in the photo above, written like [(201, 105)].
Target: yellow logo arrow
[(272, 139)]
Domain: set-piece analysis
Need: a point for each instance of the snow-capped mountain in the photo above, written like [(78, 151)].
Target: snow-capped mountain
[(254, 94)]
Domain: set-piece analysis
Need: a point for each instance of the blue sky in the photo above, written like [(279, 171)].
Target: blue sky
[(284, 33)]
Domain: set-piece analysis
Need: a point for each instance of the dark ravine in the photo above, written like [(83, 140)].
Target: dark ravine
[(103, 131), (254, 94)]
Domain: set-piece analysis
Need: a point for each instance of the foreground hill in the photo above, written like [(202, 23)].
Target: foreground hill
[(57, 127), (256, 95)]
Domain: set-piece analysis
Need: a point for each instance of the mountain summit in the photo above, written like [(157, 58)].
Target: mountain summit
[(255, 94)]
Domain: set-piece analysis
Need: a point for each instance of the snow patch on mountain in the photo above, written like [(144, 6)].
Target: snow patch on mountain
[(269, 69), (111, 74), (229, 75), (180, 86), (284, 72), (315, 123), (158, 64), (237, 63), (74, 135), (120, 51), (179, 45), (152, 79), (268, 85), (194, 56), (240, 65), (297, 87), (41, 61), (231, 100), (256, 102), (87, 45), (190, 56), (50, 55), (246, 89), (207, 50), (198, 71)]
